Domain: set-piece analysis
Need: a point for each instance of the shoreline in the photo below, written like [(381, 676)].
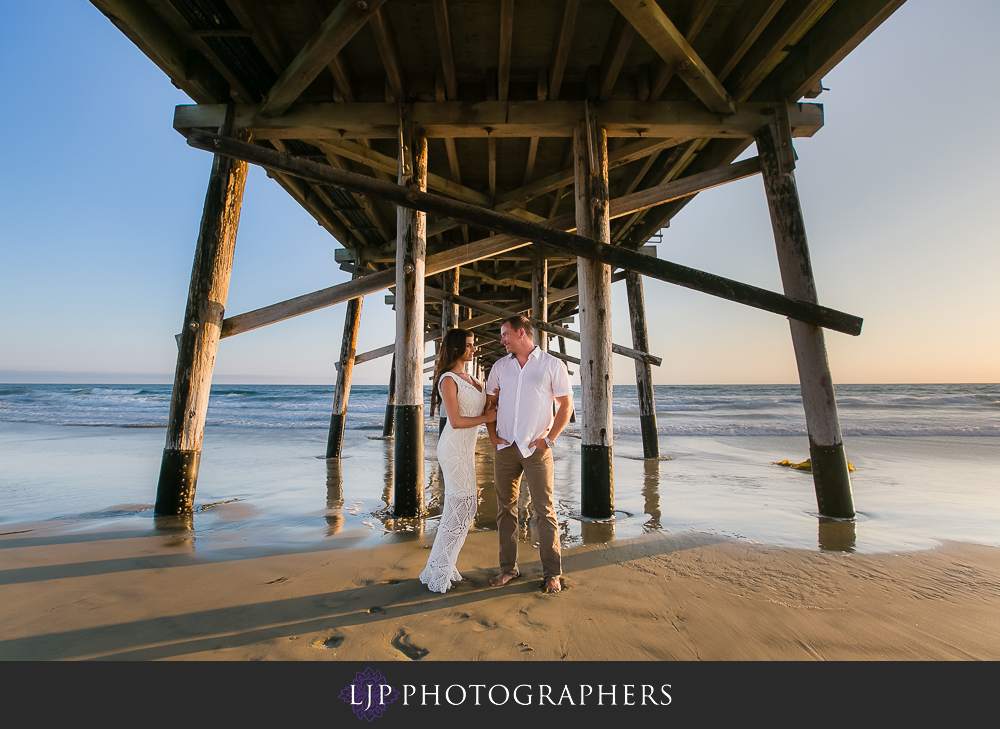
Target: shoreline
[(111, 591)]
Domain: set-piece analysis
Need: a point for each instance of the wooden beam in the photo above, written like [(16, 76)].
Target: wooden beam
[(501, 313), (443, 23), (385, 39), (621, 156), (622, 33), (383, 162), (506, 40), (141, 25), (339, 27), (535, 232), (664, 37), (368, 284), (497, 119), (560, 46), (740, 35), (788, 25), (450, 79), (836, 34)]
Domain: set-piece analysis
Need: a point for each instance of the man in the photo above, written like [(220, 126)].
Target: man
[(522, 386)]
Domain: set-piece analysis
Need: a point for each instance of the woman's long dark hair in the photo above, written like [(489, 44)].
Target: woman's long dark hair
[(452, 350)]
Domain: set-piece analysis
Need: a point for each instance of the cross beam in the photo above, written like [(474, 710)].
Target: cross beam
[(495, 119), (529, 231)]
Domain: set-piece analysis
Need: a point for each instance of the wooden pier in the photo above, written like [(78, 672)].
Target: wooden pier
[(481, 158)]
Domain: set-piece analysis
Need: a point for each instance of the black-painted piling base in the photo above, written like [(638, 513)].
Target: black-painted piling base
[(650, 442), (387, 423), (597, 482), (408, 461), (335, 440), (832, 480), (178, 479)]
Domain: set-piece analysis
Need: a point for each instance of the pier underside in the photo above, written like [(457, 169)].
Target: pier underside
[(483, 158)]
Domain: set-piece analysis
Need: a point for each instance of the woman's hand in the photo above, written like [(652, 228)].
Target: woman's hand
[(489, 415)]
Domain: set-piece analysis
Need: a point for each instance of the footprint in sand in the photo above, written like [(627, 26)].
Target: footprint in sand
[(334, 641), (402, 644)]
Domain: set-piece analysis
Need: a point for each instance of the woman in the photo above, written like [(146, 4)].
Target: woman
[(463, 399)]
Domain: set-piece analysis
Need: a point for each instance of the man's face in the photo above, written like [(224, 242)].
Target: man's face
[(505, 337)]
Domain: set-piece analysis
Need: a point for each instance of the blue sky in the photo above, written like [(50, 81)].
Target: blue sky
[(100, 202)]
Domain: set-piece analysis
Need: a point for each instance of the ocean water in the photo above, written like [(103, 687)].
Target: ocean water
[(927, 461)]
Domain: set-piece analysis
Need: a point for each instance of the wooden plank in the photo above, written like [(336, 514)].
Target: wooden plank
[(664, 37), (448, 119), (339, 27), (535, 232)]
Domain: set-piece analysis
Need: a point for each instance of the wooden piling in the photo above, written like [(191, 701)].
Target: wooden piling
[(411, 250), (348, 348), (562, 350), (449, 320), (590, 155), (643, 371), (390, 402), (540, 296), (831, 477), (199, 339)]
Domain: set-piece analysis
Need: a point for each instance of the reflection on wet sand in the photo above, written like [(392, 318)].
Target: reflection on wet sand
[(179, 530), (837, 535), (651, 493), (597, 532), (334, 497)]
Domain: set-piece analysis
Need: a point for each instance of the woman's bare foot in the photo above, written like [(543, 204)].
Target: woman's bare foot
[(502, 579), (553, 585)]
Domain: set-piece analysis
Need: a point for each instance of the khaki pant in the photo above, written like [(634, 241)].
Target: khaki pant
[(508, 465)]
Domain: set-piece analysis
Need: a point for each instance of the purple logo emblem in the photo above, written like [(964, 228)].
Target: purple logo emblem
[(369, 694)]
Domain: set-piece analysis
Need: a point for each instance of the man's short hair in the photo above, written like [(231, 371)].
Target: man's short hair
[(518, 322)]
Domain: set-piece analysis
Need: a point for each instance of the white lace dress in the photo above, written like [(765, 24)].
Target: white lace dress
[(456, 453)]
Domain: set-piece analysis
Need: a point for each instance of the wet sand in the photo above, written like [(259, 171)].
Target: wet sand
[(130, 588)]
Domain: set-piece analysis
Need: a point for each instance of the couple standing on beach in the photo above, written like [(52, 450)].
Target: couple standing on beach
[(516, 407)]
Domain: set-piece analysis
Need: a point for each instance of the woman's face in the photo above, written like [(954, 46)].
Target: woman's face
[(470, 349)]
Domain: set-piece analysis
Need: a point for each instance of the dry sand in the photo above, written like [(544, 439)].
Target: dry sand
[(69, 592)]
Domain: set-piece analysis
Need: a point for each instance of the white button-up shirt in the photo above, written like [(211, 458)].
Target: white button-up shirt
[(526, 394)]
